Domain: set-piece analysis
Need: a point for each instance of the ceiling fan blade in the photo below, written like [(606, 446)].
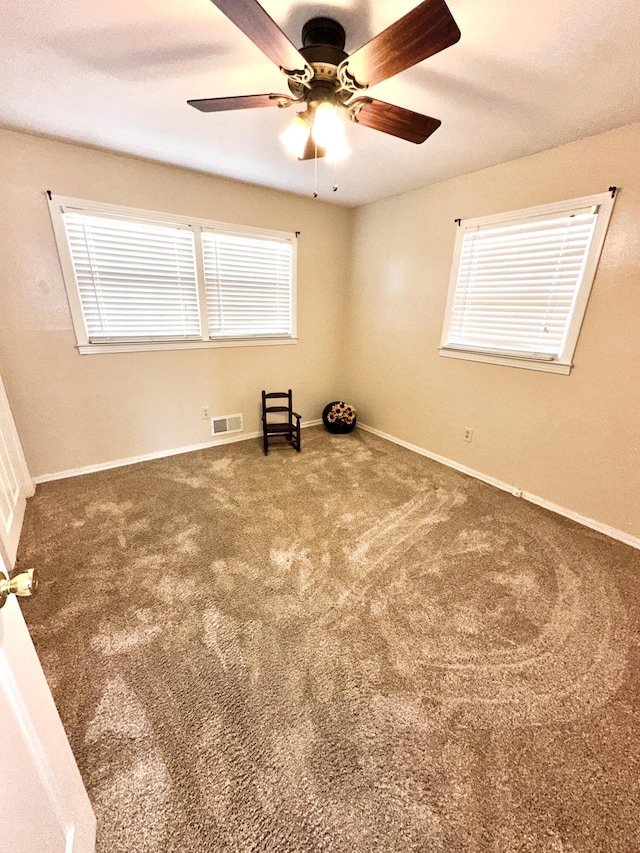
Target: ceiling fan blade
[(311, 151), (241, 102), (405, 124), (425, 30), (256, 24)]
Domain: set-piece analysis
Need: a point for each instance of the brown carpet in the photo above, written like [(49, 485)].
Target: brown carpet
[(349, 649)]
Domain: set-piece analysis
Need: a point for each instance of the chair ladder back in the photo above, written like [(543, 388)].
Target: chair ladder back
[(290, 428)]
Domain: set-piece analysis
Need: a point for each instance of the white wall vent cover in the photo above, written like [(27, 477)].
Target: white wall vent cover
[(225, 424)]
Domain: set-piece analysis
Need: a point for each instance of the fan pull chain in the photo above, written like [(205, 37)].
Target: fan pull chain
[(315, 174), (315, 170)]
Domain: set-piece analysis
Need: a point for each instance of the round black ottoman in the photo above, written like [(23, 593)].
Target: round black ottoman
[(339, 417)]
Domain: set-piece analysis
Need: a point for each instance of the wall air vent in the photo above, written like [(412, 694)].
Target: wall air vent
[(226, 424)]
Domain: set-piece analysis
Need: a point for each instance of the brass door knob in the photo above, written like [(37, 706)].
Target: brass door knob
[(25, 585)]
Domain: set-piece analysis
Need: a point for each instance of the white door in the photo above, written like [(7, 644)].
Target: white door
[(43, 803), (15, 483), (44, 806)]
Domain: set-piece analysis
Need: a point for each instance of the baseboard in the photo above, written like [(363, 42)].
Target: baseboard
[(613, 532), (133, 460)]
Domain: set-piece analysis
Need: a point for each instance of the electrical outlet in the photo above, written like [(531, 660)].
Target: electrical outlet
[(205, 412), (468, 433)]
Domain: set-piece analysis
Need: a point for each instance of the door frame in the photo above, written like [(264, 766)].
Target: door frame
[(24, 482)]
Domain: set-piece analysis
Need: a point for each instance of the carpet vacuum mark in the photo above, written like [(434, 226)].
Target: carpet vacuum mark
[(349, 649)]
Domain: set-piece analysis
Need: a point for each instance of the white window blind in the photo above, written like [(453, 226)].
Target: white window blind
[(150, 280), (519, 285), (136, 280), (248, 284), (516, 284)]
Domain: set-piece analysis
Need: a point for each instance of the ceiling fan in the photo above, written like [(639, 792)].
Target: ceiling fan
[(325, 80)]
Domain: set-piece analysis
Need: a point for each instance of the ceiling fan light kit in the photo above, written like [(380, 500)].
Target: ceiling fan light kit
[(326, 80), (317, 132)]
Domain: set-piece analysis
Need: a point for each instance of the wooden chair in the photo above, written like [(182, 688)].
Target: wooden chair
[(289, 428)]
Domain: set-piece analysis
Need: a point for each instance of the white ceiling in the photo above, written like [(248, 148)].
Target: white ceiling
[(524, 77)]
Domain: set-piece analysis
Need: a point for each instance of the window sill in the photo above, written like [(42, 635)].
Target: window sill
[(507, 361), (149, 346)]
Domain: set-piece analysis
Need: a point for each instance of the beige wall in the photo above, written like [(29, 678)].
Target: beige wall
[(572, 440), (78, 410)]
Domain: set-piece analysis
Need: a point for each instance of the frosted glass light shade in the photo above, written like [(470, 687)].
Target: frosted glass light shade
[(295, 137)]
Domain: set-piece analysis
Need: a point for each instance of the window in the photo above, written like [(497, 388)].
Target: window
[(233, 309), (143, 280), (520, 282)]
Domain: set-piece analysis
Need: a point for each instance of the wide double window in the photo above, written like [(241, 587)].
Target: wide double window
[(520, 283), (143, 280)]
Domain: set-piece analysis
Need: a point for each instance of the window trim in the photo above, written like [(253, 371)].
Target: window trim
[(58, 204), (564, 363)]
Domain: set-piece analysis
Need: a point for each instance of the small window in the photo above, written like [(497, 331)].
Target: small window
[(143, 280), (520, 283)]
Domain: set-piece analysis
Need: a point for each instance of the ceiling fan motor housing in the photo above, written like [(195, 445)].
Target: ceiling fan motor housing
[(323, 31), (323, 41)]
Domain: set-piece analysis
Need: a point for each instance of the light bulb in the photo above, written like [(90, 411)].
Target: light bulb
[(295, 137), (326, 125), (338, 148)]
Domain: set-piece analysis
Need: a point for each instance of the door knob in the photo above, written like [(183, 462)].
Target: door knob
[(25, 584)]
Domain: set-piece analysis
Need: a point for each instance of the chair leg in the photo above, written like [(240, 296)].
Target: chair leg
[(265, 442)]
